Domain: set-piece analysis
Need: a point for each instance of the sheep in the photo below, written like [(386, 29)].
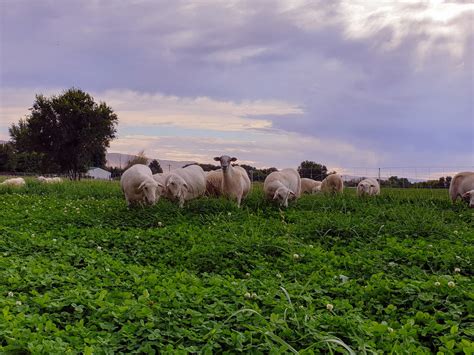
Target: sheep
[(369, 187), (184, 184), (332, 184), (462, 185), (138, 185), (14, 182), (235, 180), (160, 179), (282, 186), (52, 180), (310, 186), (214, 182)]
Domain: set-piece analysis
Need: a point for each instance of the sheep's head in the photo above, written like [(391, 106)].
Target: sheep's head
[(469, 197), (282, 195), (316, 189), (176, 187), (364, 187), (225, 161), (148, 188)]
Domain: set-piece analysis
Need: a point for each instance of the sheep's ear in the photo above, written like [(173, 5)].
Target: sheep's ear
[(217, 158), (185, 186), (372, 185), (142, 185), (291, 193), (466, 195), (160, 184), (275, 196), (233, 159)]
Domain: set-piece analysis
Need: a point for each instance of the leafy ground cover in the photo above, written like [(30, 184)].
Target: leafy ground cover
[(82, 273)]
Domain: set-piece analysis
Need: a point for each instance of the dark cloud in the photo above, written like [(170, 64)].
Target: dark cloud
[(404, 88)]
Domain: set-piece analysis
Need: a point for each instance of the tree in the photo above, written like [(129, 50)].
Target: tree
[(70, 132), (310, 169), (7, 157), (140, 158), (155, 167)]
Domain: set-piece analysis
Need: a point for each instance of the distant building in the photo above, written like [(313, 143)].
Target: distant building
[(99, 174)]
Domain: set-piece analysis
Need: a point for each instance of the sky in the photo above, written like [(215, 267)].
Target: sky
[(357, 83)]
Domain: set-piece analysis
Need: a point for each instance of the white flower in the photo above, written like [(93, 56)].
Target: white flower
[(437, 283), (18, 303), (329, 307), (456, 232), (247, 274), (10, 294), (296, 256), (107, 269), (451, 284), (457, 269), (430, 245), (55, 240), (311, 246), (392, 264), (278, 275), (390, 330), (229, 213), (160, 224), (247, 295), (99, 248), (137, 237), (254, 295)]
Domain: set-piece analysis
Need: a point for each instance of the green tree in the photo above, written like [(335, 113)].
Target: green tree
[(155, 167), (70, 132), (312, 170), (7, 157), (140, 158)]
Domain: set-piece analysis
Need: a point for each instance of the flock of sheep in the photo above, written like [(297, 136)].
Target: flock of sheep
[(140, 186)]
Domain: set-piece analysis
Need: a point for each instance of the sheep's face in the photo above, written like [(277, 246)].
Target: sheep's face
[(364, 187), (225, 161), (316, 189), (176, 187), (469, 197), (282, 195), (148, 188)]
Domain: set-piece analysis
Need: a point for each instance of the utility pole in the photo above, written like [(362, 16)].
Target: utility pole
[(379, 175), (169, 167)]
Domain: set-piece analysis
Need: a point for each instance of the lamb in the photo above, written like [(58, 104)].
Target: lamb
[(310, 186), (185, 184), (214, 182), (138, 185), (369, 187), (160, 179), (235, 180), (282, 186), (462, 185), (14, 182), (332, 184)]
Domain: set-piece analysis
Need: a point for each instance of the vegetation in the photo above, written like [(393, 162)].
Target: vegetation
[(155, 167), (82, 273), (311, 170), (63, 134)]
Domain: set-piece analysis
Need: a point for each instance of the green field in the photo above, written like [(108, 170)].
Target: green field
[(82, 273)]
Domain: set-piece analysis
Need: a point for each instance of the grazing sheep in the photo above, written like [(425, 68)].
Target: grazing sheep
[(310, 186), (462, 185), (317, 188), (52, 180), (185, 184), (138, 185), (214, 182), (369, 187), (332, 184), (235, 180), (282, 186), (160, 179), (14, 182)]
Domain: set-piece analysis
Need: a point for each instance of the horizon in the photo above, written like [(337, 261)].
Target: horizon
[(345, 84)]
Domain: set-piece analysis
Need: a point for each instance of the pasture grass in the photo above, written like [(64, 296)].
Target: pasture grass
[(82, 273)]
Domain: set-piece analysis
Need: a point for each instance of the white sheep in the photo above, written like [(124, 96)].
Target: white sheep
[(332, 184), (160, 179), (369, 187), (282, 186), (310, 186), (214, 182), (235, 180), (462, 185), (46, 180), (14, 182), (185, 184), (138, 185)]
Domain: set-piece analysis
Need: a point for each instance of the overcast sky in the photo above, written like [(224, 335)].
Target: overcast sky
[(357, 83)]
